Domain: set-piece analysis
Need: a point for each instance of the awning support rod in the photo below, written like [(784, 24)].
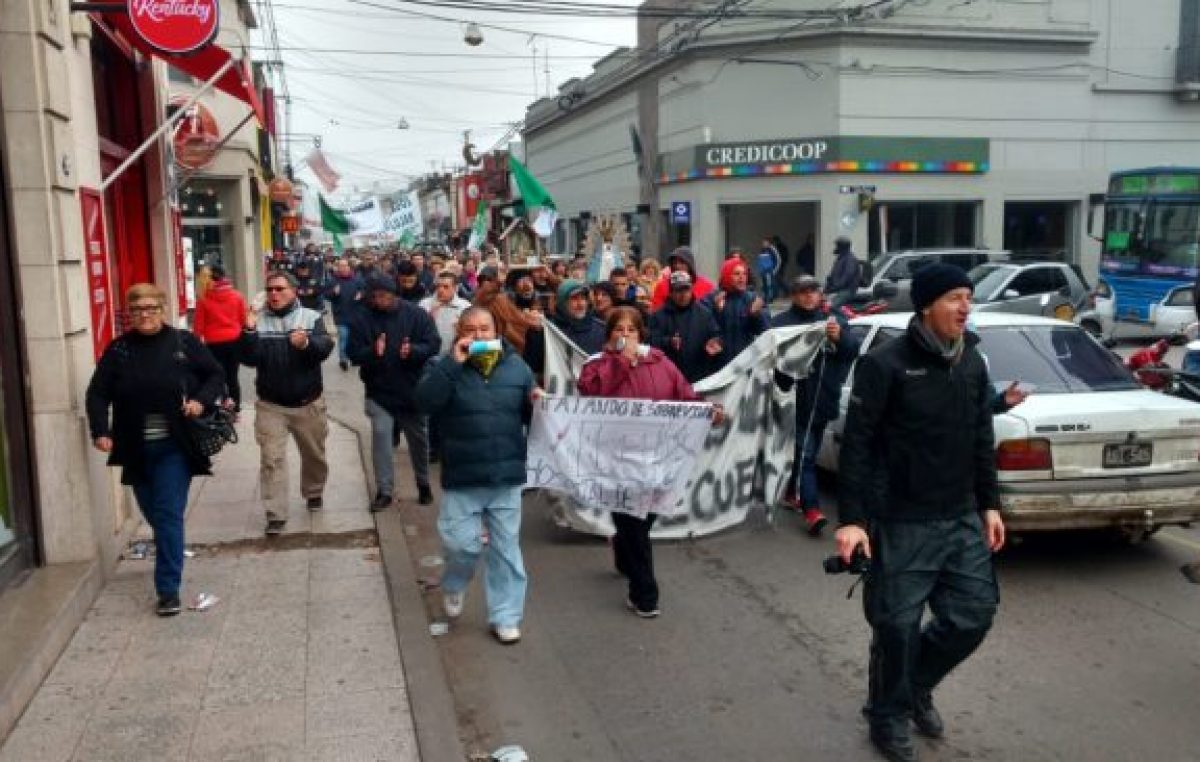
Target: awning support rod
[(167, 124)]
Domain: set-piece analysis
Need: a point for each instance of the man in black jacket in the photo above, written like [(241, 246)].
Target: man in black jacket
[(818, 395), (686, 331), (391, 340), (919, 497), (287, 344)]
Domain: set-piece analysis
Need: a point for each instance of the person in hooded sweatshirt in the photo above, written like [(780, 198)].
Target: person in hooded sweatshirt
[(630, 369), (573, 316), (741, 314), (408, 279), (842, 283), (218, 321), (390, 341), (680, 260), (818, 394), (686, 331)]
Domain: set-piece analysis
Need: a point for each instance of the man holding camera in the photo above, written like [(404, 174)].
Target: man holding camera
[(919, 498)]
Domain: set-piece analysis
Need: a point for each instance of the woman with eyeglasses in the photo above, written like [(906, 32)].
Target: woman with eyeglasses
[(152, 378)]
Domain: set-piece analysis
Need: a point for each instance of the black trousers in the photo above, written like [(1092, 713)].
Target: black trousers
[(635, 558), (946, 565), (229, 356)]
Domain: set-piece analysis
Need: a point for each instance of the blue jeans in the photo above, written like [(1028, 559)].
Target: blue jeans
[(343, 341), (460, 524), (806, 462), (162, 498), (768, 285), (1191, 362)]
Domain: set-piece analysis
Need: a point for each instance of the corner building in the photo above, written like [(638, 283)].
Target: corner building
[(941, 123)]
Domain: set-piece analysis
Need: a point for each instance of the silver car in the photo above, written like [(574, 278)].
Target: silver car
[(893, 271), (1048, 289)]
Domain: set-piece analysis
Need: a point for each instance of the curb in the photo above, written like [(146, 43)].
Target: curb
[(430, 700)]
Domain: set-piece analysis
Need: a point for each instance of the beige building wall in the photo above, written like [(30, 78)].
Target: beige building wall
[(237, 163)]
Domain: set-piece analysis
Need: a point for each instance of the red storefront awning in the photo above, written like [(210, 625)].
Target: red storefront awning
[(202, 64)]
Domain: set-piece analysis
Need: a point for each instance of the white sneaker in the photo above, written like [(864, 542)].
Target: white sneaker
[(507, 635), (453, 603)]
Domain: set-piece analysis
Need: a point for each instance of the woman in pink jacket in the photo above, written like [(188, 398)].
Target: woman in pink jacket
[(631, 369)]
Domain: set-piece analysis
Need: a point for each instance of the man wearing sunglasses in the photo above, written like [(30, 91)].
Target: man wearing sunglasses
[(287, 344)]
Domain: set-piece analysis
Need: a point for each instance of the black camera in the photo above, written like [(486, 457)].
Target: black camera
[(859, 563)]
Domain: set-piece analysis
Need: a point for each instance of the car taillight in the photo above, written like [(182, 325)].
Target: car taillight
[(1024, 455)]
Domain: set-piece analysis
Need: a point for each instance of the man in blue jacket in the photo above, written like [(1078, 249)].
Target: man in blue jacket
[(818, 395), (390, 341), (482, 397), (344, 291)]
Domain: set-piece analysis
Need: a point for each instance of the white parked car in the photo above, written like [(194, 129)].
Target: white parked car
[(1172, 316), (1090, 448), (1098, 318)]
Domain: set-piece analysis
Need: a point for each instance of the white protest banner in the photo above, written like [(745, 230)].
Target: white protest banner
[(627, 456), (365, 218), (746, 459), (405, 219)]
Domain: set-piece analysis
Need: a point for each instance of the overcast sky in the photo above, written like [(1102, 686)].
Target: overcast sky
[(354, 100)]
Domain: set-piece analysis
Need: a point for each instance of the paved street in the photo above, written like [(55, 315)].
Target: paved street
[(760, 656), (298, 659)]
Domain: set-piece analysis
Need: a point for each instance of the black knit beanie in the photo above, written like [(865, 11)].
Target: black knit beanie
[(931, 281)]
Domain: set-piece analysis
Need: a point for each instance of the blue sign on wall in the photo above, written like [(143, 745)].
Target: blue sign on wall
[(681, 213)]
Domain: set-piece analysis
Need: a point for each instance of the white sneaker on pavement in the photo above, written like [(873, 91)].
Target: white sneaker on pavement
[(507, 635), (453, 603)]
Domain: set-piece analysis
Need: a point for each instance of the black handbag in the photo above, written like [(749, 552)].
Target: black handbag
[(210, 431)]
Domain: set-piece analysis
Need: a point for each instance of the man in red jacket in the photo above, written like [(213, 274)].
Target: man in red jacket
[(218, 321)]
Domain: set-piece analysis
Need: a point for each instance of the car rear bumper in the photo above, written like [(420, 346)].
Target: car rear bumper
[(1098, 503)]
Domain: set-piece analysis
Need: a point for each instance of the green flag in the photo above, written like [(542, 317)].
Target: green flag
[(535, 197), (334, 222), (479, 228), (532, 191)]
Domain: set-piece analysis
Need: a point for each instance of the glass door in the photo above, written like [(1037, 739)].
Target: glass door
[(18, 549)]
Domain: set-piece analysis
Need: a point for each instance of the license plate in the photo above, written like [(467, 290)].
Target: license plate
[(1128, 454)]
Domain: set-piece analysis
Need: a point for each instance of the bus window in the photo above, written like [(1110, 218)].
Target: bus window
[(1120, 240), (1172, 238)]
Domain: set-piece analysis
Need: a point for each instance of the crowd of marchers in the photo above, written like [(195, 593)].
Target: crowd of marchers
[(450, 348)]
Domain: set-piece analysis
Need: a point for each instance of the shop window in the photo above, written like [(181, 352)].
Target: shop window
[(922, 225), (1040, 229)]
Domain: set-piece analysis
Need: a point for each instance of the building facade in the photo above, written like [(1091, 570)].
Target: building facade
[(86, 210), (989, 124)]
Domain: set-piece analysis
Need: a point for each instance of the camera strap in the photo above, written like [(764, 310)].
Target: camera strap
[(857, 582)]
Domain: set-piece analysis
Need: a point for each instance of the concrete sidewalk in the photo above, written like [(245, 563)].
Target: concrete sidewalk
[(298, 661)]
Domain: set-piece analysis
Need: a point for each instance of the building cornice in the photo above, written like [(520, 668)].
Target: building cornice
[(600, 88)]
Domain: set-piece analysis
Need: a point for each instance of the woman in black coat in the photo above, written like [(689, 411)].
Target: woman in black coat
[(152, 378)]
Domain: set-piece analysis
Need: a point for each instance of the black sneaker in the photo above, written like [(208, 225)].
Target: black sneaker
[(344, 365), (168, 605), (926, 716), (424, 494), (895, 744), (381, 503), (275, 527), (315, 503)]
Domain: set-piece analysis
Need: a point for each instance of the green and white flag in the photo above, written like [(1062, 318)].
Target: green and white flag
[(479, 228), (334, 222), (536, 198)]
